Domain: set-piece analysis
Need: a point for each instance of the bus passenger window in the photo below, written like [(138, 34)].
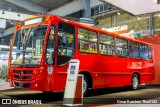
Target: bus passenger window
[(87, 41), (144, 53), (133, 50), (106, 44), (121, 47)]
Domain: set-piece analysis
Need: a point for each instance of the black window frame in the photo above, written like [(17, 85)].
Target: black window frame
[(150, 51)]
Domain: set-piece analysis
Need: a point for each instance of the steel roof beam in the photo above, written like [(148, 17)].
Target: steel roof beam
[(87, 9), (75, 6), (9, 31), (29, 6), (13, 15)]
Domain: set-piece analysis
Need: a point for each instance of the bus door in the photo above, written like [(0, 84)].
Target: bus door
[(65, 51), (50, 57)]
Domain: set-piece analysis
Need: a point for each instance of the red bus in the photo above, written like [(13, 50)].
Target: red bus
[(46, 43)]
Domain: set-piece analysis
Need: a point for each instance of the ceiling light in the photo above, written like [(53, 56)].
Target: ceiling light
[(18, 15), (9, 9), (3, 12), (157, 1), (118, 13), (12, 22), (138, 18)]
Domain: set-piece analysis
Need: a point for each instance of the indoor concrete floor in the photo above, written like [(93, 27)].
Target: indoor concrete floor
[(96, 97)]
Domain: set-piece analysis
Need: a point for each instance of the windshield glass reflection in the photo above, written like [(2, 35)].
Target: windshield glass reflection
[(28, 46)]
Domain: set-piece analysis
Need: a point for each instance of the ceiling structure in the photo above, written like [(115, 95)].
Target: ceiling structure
[(14, 10), (50, 4), (19, 9), (7, 6), (31, 6), (136, 7)]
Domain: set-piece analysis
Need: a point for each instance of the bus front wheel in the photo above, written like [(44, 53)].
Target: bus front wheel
[(135, 81), (85, 85)]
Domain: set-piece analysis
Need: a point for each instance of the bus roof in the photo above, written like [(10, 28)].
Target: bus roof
[(78, 24)]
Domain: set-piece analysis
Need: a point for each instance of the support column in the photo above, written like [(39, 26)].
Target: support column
[(151, 23), (115, 20), (1, 32), (87, 9)]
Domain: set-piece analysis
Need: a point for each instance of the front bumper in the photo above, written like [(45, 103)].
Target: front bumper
[(41, 84)]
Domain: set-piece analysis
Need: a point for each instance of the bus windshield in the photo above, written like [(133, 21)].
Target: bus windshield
[(28, 45)]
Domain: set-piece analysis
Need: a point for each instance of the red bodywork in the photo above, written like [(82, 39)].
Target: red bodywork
[(105, 71)]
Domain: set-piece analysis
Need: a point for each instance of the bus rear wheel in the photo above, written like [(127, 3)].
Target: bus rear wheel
[(135, 81)]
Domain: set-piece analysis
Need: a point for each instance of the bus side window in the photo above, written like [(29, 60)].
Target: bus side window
[(66, 42), (87, 40), (66, 39), (106, 44), (143, 49), (121, 47), (133, 50)]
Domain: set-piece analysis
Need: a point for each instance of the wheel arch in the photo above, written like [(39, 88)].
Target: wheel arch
[(137, 73), (88, 75)]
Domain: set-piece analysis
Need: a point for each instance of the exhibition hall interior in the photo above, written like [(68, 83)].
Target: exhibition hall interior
[(102, 53)]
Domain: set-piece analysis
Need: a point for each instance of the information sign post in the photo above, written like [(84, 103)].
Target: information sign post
[(73, 94)]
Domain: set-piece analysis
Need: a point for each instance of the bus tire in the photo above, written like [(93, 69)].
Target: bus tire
[(85, 85), (135, 81)]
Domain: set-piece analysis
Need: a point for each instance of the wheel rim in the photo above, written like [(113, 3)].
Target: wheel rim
[(135, 82), (84, 86)]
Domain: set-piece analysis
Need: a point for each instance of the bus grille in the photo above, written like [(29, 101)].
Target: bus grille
[(23, 74), (25, 77), (22, 85)]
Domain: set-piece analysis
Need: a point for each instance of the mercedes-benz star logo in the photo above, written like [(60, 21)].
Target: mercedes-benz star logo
[(21, 75)]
